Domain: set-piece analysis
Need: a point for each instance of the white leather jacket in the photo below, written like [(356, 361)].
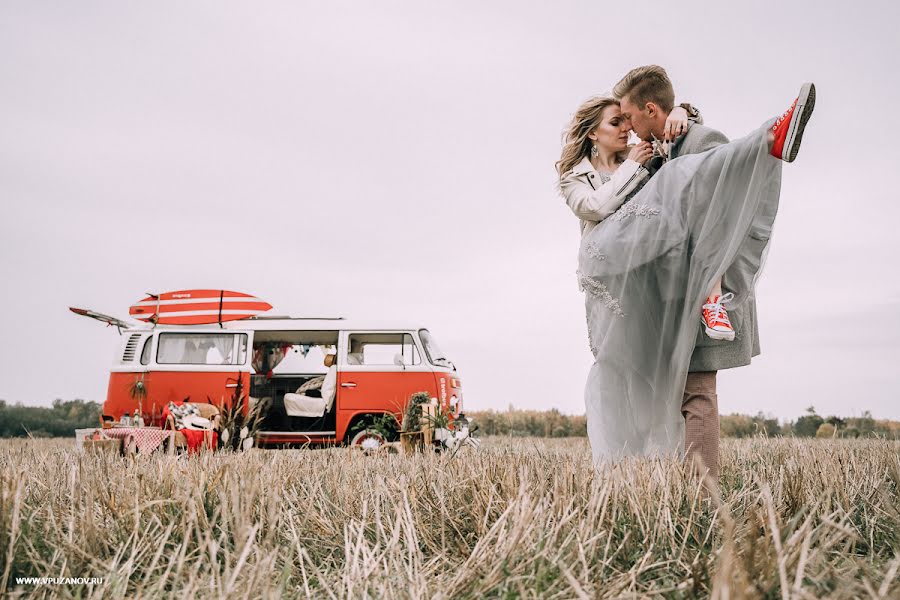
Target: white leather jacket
[(593, 196)]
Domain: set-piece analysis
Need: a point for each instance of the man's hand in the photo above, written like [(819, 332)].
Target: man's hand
[(641, 153), (676, 124)]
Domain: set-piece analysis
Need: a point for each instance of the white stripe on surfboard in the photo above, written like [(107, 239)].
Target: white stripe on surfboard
[(203, 299), (198, 313)]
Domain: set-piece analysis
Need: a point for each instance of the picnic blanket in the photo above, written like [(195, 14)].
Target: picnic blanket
[(146, 439)]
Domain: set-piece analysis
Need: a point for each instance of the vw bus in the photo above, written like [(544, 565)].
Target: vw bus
[(375, 371)]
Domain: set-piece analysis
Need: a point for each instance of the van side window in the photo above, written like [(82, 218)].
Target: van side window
[(202, 349), (395, 349), (145, 353)]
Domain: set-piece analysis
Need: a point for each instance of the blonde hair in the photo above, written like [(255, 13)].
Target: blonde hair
[(577, 144), (647, 84)]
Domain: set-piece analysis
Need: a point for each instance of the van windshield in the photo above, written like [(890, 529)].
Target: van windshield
[(435, 355)]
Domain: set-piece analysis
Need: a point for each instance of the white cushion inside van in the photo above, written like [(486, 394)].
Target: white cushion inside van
[(298, 405)]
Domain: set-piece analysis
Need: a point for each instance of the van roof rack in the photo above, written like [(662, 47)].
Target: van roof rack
[(290, 318)]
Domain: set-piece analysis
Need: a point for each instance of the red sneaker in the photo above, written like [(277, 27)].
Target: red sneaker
[(715, 318), (788, 128)]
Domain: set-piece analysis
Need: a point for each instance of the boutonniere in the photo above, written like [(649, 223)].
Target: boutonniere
[(661, 148)]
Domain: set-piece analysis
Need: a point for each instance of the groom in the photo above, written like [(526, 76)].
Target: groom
[(647, 97)]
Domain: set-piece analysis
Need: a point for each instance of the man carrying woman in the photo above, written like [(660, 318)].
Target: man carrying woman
[(657, 253)]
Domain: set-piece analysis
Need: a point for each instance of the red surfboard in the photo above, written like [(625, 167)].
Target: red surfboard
[(197, 307)]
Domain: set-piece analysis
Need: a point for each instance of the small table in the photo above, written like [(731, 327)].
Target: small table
[(146, 439)]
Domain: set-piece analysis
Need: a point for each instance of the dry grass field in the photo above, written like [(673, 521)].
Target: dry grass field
[(523, 518)]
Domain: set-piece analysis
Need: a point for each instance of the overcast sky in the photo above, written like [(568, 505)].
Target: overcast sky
[(394, 161)]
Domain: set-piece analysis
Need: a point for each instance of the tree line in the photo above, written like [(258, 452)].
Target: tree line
[(59, 420), (552, 423), (64, 417), (811, 424)]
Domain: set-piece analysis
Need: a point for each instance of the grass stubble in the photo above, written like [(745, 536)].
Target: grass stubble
[(517, 518)]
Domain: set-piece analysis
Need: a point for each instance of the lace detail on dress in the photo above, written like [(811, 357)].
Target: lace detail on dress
[(593, 250), (630, 209), (600, 291), (593, 348)]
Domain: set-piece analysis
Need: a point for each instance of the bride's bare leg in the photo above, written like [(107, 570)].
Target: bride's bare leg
[(716, 289)]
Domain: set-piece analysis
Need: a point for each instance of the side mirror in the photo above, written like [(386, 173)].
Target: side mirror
[(398, 361)]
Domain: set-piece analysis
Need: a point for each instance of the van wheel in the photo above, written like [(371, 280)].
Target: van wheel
[(368, 439)]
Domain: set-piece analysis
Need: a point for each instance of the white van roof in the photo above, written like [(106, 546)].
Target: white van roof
[(284, 323), (316, 324)]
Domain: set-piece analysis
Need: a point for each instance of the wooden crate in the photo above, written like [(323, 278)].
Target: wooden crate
[(429, 411), (412, 441)]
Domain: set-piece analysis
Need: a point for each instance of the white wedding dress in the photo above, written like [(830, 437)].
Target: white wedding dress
[(646, 271)]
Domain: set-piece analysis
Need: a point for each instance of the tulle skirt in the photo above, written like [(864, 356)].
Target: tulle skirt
[(646, 271)]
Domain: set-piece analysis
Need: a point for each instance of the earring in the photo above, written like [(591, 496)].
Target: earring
[(594, 152)]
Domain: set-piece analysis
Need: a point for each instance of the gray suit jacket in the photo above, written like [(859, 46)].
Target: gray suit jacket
[(709, 354)]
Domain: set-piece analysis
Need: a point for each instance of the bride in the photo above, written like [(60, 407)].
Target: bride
[(652, 252)]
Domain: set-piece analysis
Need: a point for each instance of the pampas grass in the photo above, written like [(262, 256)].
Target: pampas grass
[(517, 518)]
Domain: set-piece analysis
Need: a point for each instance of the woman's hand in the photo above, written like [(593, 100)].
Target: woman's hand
[(641, 153), (676, 124)]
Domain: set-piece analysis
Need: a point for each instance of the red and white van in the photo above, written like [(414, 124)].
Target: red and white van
[(377, 370)]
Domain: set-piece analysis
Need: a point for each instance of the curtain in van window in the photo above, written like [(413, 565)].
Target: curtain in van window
[(173, 349), (195, 349), (268, 356), (221, 351)]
